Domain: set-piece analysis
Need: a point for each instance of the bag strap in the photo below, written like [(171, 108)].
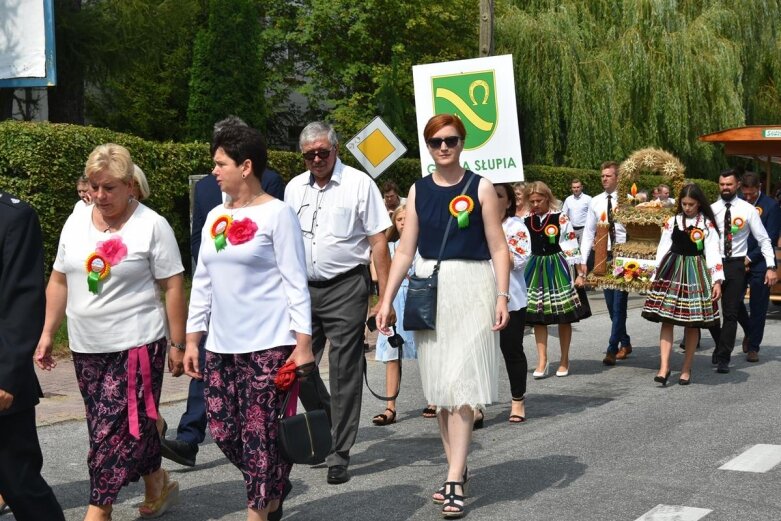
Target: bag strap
[(449, 222), (366, 378)]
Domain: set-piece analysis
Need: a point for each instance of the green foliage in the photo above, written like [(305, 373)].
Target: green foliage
[(227, 75), (40, 163), (600, 79), (147, 94), (359, 55)]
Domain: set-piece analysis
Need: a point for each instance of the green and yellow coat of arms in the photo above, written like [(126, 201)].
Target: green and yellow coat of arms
[(472, 97)]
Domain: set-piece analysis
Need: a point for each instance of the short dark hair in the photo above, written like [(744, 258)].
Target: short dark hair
[(609, 164), (242, 143), (732, 172), (388, 186), (751, 180)]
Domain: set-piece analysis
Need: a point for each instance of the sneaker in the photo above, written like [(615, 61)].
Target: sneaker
[(179, 451)]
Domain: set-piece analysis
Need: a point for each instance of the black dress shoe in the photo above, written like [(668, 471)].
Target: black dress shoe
[(662, 379), (723, 368), (179, 451), (338, 475), (276, 515)]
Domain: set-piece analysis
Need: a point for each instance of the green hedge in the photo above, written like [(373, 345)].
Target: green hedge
[(40, 163)]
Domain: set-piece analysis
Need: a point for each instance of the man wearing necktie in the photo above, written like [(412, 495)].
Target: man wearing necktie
[(753, 323), (737, 220), (601, 210)]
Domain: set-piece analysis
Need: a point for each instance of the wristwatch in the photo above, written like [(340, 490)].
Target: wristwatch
[(178, 345)]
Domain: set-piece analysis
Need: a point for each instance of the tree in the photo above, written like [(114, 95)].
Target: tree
[(597, 80), (227, 75), (145, 92), (358, 56)]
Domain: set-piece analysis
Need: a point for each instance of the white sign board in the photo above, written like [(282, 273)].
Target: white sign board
[(22, 39), (481, 92), (376, 147)]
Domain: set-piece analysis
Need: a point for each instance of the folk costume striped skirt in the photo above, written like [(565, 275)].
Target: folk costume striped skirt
[(552, 296), (459, 360), (681, 293)]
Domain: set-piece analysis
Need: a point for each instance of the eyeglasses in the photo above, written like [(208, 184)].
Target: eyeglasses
[(450, 141), (311, 231), (321, 153)]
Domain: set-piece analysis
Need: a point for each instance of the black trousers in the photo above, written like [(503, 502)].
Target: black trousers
[(732, 291), (511, 342), (21, 483)]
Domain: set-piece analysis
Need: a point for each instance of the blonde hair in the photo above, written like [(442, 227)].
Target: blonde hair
[(112, 159), (392, 233), (538, 187), (140, 182)]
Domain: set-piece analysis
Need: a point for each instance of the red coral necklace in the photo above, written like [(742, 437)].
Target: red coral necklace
[(542, 223)]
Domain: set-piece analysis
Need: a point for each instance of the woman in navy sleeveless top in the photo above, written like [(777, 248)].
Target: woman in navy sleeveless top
[(458, 360)]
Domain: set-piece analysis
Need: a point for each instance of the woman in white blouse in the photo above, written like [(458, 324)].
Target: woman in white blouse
[(114, 257), (687, 281), (250, 292)]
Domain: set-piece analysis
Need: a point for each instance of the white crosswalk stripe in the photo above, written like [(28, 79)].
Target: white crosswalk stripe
[(759, 458), (674, 513)]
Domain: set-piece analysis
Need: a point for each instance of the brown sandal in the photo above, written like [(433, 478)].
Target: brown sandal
[(385, 419)]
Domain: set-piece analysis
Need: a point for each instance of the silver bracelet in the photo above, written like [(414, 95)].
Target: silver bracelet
[(503, 294), (178, 345)]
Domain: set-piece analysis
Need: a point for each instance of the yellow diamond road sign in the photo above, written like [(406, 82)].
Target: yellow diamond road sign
[(376, 147)]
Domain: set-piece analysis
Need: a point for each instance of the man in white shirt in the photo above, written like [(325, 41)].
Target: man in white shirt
[(663, 192), (601, 210), (736, 219), (576, 207), (343, 218)]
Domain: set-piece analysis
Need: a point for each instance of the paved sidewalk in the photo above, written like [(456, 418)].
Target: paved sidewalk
[(62, 400)]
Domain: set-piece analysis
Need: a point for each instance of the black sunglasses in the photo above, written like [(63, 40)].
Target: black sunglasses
[(450, 141), (321, 153)]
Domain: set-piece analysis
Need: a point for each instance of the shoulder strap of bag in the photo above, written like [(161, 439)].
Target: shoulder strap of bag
[(447, 228), (401, 347)]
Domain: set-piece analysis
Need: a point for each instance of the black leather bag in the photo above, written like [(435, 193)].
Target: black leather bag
[(304, 438), (420, 308)]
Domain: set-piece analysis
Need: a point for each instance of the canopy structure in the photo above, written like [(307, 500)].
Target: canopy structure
[(761, 143)]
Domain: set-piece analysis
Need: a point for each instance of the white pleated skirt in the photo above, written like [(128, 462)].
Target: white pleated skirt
[(459, 360)]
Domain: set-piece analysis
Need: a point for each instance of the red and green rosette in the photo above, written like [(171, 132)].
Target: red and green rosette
[(460, 208), (697, 236), (551, 231), (219, 231), (737, 224), (98, 269)]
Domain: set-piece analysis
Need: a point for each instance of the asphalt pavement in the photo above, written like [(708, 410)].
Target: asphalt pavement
[(605, 443)]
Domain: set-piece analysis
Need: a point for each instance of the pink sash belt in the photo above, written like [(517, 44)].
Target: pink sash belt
[(135, 357)]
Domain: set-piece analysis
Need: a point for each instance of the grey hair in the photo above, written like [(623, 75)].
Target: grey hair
[(315, 130), (230, 121)]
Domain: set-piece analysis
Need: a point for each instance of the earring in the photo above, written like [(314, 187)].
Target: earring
[(243, 176)]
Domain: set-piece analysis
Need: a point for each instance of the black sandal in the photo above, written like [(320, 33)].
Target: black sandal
[(452, 500), (429, 412), (385, 419), (517, 418), (441, 490)]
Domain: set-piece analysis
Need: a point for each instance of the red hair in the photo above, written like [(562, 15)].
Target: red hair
[(440, 121)]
